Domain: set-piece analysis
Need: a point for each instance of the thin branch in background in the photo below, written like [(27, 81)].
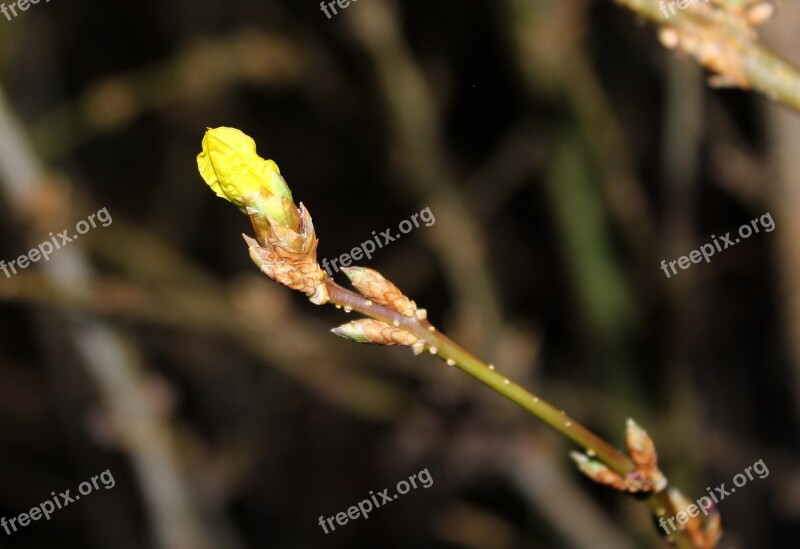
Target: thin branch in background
[(159, 287), (783, 198), (111, 361), (721, 36), (422, 161)]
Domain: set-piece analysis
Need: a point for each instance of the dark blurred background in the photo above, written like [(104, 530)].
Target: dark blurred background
[(564, 155)]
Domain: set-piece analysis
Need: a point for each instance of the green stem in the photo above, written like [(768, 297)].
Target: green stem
[(448, 350)]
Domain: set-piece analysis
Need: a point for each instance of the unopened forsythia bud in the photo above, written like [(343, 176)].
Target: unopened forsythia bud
[(232, 168)]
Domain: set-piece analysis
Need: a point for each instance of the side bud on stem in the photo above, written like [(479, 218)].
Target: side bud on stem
[(378, 290), (646, 477), (372, 285), (367, 330)]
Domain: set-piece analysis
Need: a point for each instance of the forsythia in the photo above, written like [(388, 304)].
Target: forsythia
[(231, 167), (285, 247)]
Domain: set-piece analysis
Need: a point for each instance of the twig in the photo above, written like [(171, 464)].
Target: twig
[(285, 250), (446, 349), (110, 360), (722, 38)]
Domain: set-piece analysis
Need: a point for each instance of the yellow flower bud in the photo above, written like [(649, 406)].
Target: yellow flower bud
[(231, 167)]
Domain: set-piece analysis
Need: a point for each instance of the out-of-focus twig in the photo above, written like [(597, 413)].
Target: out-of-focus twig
[(110, 360), (547, 38), (721, 37), (196, 75), (158, 286), (550, 52), (784, 199), (554, 491), (416, 122)]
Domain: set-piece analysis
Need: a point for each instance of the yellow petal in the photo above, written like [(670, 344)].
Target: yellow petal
[(230, 165)]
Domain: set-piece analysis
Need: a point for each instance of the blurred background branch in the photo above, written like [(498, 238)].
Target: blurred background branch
[(721, 36), (110, 360)]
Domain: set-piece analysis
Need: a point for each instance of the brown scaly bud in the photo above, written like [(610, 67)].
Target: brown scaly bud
[(646, 477), (754, 12), (710, 40), (367, 330), (640, 446), (704, 532), (372, 285), (598, 472), (711, 49), (289, 256)]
